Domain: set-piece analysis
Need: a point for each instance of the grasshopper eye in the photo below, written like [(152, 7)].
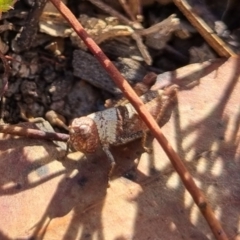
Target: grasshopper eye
[(85, 130)]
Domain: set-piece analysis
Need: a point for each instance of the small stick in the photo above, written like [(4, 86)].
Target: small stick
[(112, 12), (142, 48), (127, 9), (33, 133)]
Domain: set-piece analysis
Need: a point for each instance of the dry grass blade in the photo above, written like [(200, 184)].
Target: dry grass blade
[(207, 33), (127, 9), (129, 93)]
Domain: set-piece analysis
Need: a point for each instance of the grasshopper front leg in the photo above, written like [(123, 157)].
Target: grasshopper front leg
[(110, 158)]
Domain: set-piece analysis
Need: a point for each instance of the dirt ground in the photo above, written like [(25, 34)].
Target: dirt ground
[(54, 79)]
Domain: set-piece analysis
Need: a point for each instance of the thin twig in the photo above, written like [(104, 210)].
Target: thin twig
[(142, 48), (106, 8), (127, 9), (129, 93), (33, 133), (136, 9)]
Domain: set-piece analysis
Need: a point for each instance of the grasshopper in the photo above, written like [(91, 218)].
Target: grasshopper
[(118, 125)]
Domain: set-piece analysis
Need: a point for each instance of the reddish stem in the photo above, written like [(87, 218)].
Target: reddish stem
[(130, 94)]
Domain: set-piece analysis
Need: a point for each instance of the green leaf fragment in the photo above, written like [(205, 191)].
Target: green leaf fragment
[(6, 5)]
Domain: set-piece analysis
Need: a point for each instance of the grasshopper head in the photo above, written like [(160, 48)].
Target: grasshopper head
[(84, 135)]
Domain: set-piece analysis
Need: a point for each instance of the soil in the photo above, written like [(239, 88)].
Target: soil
[(53, 76)]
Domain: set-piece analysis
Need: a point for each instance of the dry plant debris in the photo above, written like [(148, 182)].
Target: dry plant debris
[(207, 32), (152, 195), (42, 84)]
